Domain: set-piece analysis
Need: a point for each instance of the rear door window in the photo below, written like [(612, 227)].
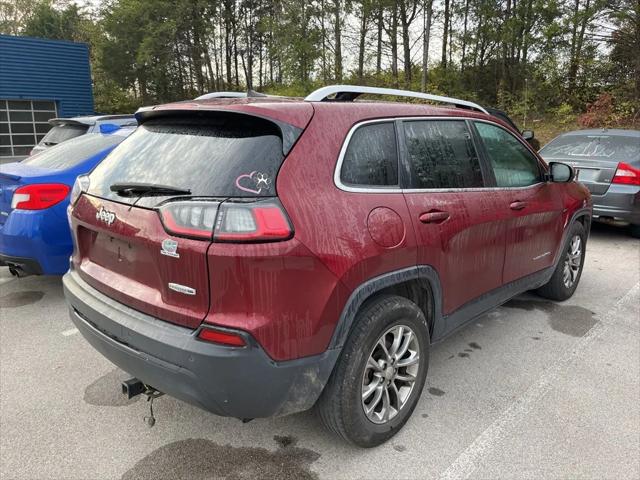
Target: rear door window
[(441, 155), (213, 156), (371, 159), (513, 164), (71, 153)]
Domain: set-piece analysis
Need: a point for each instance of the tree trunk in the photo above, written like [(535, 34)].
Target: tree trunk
[(379, 37), (362, 39), (573, 67), (451, 14), (338, 42), (427, 13), (235, 53), (580, 43), (406, 18), (464, 36), (394, 44), (228, 13), (445, 34)]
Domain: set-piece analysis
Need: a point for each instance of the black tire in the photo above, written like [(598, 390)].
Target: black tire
[(340, 406), (634, 230), (556, 288)]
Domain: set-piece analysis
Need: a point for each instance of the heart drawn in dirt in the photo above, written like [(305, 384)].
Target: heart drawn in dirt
[(247, 180)]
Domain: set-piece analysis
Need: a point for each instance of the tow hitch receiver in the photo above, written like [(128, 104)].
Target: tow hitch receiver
[(134, 387)]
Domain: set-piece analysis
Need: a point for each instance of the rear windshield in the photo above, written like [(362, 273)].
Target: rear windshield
[(71, 153), (62, 133), (230, 156), (602, 147)]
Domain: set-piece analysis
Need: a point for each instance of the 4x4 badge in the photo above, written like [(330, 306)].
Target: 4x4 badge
[(105, 216), (170, 248)]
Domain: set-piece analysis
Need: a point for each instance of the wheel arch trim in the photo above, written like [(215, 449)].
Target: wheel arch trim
[(425, 273)]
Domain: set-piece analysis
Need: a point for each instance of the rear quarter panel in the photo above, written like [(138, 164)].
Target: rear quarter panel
[(289, 295)]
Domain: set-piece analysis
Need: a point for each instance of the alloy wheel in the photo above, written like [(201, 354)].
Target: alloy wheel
[(390, 374), (572, 262)]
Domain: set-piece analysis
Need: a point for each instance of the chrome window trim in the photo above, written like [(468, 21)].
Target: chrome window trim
[(395, 189), (343, 151)]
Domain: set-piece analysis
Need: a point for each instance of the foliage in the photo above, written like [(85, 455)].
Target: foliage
[(605, 112), (534, 58)]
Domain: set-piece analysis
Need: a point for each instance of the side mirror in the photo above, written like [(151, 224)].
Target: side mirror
[(561, 172), (107, 128), (528, 135)]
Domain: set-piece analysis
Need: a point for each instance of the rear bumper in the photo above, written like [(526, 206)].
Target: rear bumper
[(620, 202), (229, 381), (26, 266), (39, 237)]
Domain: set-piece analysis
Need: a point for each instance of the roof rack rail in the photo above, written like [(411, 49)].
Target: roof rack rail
[(222, 95), (247, 94), (348, 93)]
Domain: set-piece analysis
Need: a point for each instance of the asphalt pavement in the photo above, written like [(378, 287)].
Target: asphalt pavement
[(533, 389)]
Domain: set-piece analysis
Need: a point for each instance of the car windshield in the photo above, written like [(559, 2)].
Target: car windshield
[(223, 155), (71, 153), (603, 147), (62, 133)]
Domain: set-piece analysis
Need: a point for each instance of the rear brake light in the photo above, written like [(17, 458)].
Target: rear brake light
[(39, 196), (627, 175), (189, 218), (222, 337), (230, 221), (261, 221)]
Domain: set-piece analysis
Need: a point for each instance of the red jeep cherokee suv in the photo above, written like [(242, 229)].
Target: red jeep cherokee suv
[(259, 256)]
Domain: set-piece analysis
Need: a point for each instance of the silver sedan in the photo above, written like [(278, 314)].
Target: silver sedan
[(608, 164)]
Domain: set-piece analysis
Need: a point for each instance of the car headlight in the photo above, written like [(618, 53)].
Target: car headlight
[(80, 186)]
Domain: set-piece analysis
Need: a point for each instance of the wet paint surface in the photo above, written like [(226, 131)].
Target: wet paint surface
[(568, 319), (200, 458), (106, 391), (20, 299)]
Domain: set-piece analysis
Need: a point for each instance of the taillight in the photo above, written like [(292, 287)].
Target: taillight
[(260, 221), (189, 218), (229, 221), (39, 196), (221, 337), (627, 175)]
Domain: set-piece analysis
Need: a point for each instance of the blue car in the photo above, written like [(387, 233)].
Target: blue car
[(34, 195)]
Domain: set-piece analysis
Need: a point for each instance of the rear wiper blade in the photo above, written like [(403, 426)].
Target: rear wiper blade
[(146, 190)]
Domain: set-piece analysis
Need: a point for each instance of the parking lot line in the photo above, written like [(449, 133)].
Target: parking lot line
[(71, 331), (469, 460)]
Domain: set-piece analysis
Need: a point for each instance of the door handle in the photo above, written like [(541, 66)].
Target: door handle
[(517, 205), (433, 217)]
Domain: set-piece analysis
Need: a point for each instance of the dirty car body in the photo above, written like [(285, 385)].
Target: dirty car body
[(608, 162), (234, 272)]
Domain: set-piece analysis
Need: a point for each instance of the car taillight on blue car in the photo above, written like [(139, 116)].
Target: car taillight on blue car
[(38, 196)]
